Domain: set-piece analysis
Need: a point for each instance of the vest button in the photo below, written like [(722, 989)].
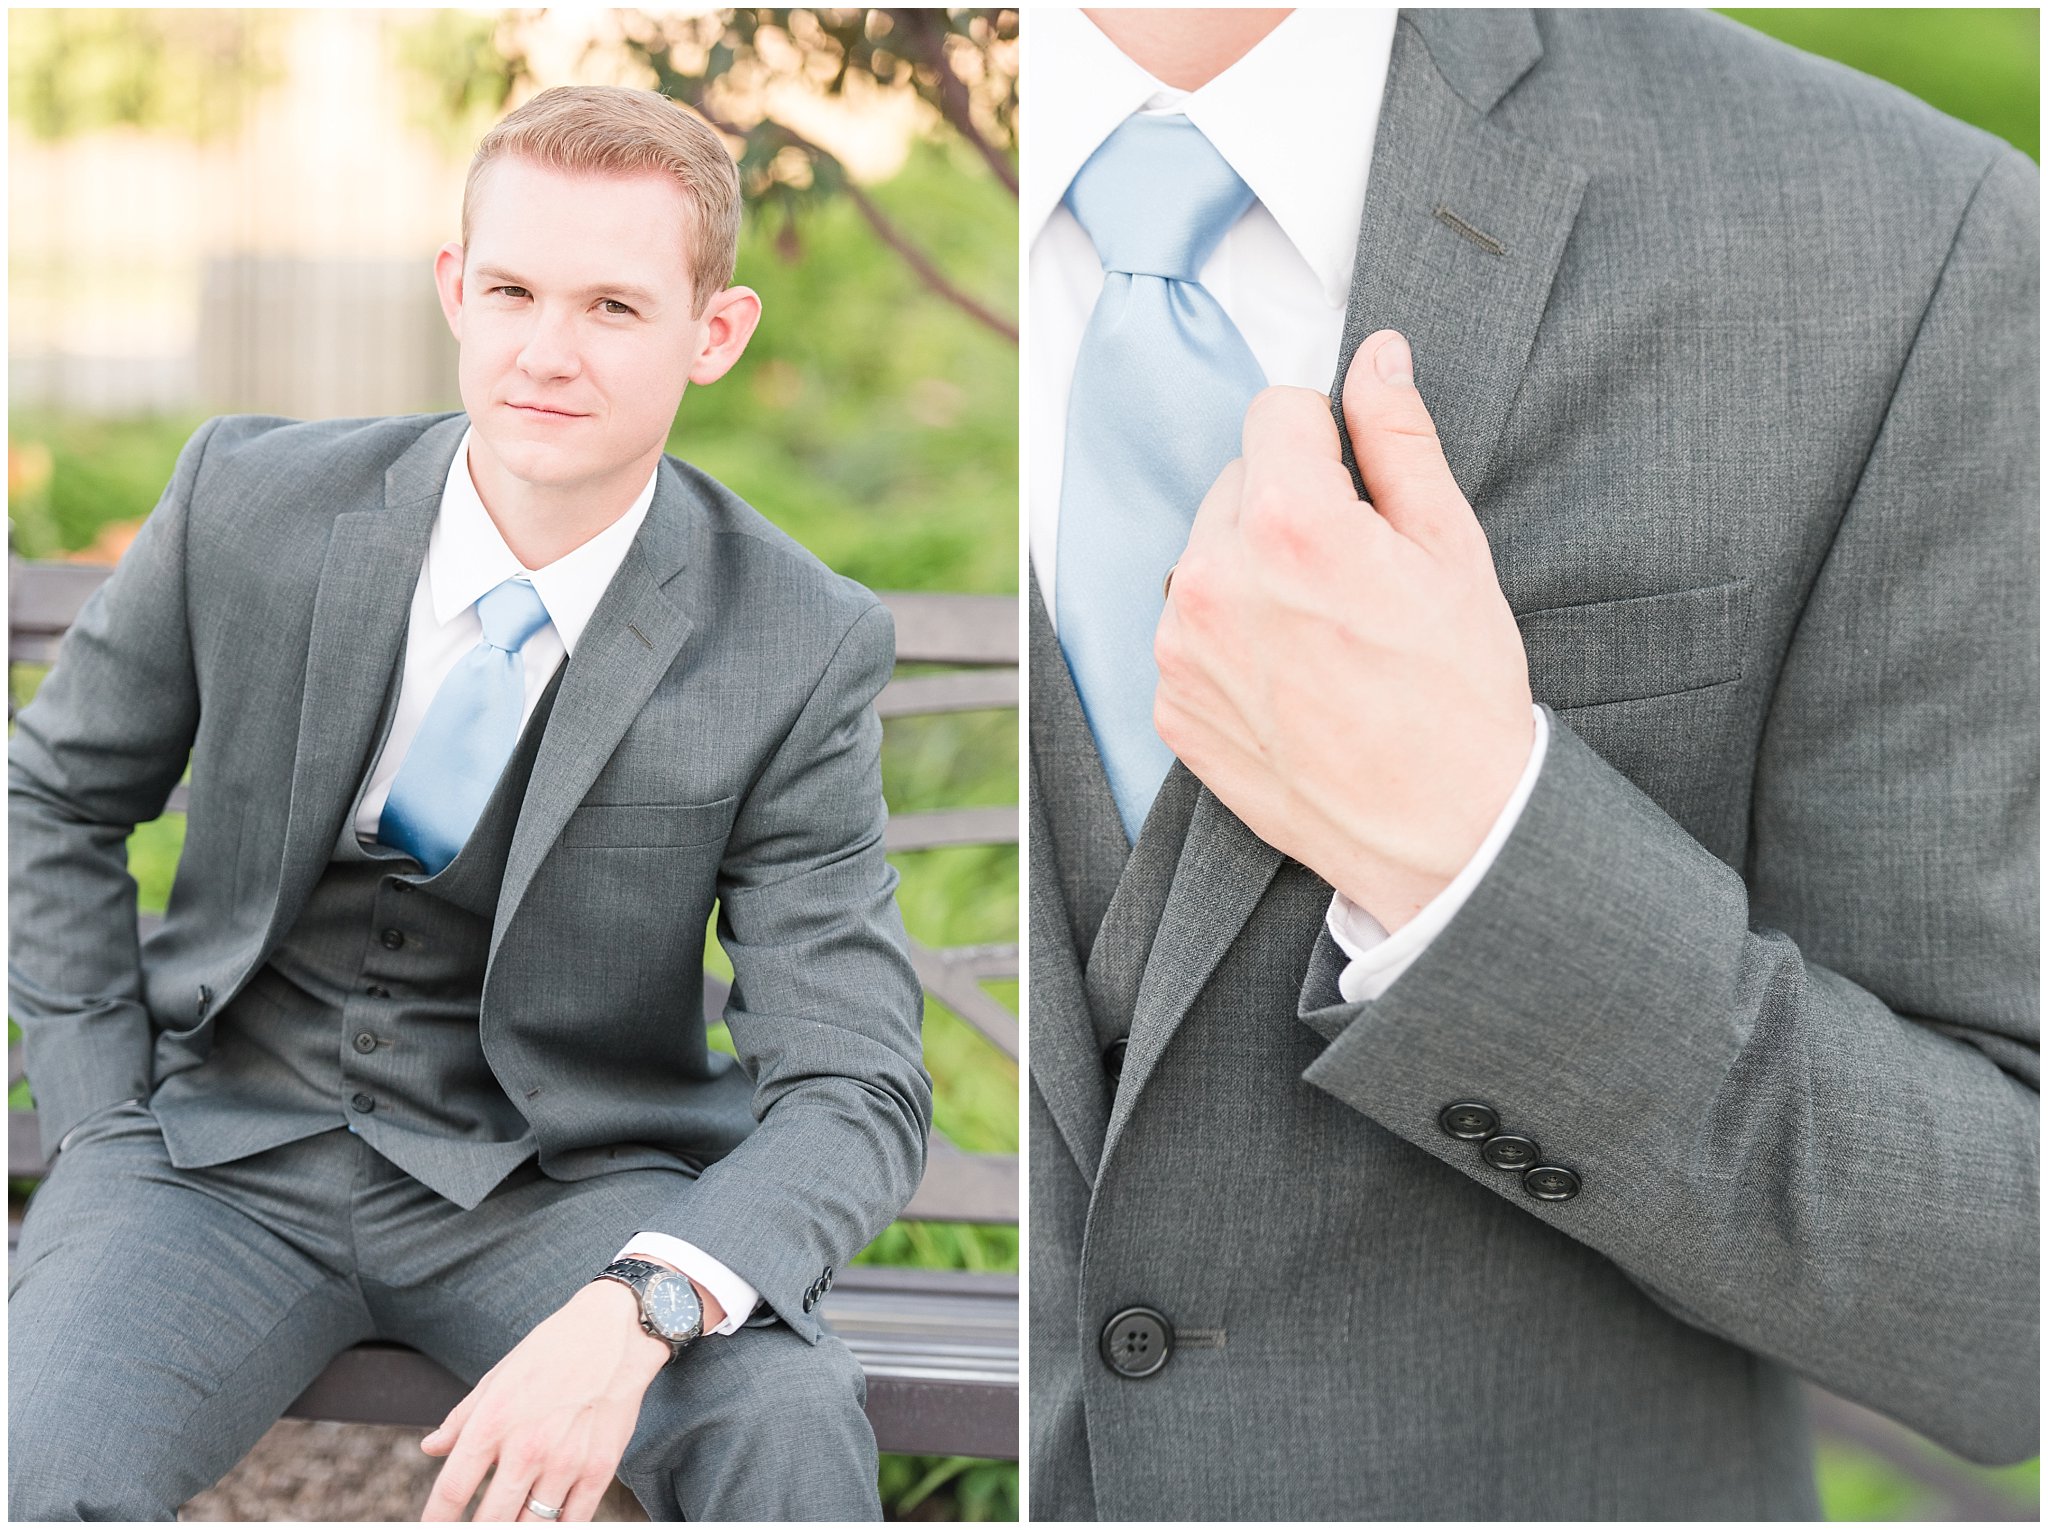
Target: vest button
[(392, 939), (364, 1103), (378, 991), (1136, 1342), (365, 1042)]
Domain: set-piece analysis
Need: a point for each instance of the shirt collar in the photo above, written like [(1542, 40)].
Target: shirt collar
[(1326, 69), (467, 556)]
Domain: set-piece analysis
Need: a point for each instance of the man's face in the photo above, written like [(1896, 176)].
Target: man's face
[(573, 308)]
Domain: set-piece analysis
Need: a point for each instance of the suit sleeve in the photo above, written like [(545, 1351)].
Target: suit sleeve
[(825, 1010), (1802, 1101), (95, 753)]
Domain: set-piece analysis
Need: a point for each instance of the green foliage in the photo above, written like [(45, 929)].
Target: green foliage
[(1856, 1485), (1981, 66), (730, 66), (83, 473), (872, 423), (191, 73), (975, 1490), (464, 77)]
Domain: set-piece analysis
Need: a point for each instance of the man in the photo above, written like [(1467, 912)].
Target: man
[(1444, 1106), (484, 710)]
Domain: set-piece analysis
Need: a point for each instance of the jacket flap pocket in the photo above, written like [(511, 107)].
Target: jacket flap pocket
[(1627, 650), (630, 825)]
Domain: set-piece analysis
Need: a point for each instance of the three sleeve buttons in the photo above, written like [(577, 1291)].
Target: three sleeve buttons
[(1470, 1121)]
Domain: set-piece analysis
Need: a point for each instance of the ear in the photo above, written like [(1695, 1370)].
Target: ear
[(729, 320), (448, 283)]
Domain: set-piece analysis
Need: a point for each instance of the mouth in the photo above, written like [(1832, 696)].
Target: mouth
[(541, 411)]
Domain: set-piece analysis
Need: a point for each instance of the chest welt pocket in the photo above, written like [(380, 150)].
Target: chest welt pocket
[(645, 825), (1628, 650)]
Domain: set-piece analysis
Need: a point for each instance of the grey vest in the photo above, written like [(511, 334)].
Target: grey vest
[(1114, 894), (365, 1015)]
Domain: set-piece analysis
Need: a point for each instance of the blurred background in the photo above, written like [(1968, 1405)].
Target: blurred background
[(221, 211), (216, 211)]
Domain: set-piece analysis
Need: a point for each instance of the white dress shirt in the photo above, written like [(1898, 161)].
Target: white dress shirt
[(467, 558), (1296, 117)]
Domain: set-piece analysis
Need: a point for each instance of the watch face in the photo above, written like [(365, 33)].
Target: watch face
[(672, 1307)]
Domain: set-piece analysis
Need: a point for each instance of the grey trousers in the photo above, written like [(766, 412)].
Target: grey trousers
[(161, 1319)]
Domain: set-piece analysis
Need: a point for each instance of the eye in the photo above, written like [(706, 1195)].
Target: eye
[(615, 303), (519, 291)]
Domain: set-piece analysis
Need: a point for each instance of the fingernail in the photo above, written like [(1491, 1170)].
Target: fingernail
[(1392, 361)]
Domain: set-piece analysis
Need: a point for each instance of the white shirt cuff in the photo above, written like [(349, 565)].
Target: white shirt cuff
[(1377, 959), (734, 1294)]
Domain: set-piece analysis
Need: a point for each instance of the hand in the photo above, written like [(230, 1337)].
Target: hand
[(1346, 676), (555, 1415)]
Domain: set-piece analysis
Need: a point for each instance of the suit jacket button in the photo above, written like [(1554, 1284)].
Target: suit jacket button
[(365, 1041), (1550, 1183), (1468, 1120), (810, 1297), (1137, 1342), (1113, 1058), (1505, 1151)]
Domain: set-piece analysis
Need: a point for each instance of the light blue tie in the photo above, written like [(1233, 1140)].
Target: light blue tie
[(1157, 409), (467, 735)]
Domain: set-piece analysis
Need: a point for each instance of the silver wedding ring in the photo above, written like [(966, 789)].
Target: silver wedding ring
[(540, 1510)]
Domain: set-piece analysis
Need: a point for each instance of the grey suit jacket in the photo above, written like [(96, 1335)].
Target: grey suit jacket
[(1740, 377), (711, 739)]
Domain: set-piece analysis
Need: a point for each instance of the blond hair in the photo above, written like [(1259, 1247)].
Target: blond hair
[(606, 129)]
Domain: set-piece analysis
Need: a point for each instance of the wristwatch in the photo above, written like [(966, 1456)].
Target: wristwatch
[(669, 1308)]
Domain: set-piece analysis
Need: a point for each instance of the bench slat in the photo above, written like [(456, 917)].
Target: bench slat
[(953, 629), (966, 690), (952, 826), (44, 598), (959, 991), (965, 1187)]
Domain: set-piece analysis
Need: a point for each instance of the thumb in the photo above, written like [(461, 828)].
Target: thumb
[(1395, 442)]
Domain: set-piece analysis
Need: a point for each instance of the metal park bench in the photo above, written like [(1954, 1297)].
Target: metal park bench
[(939, 1346)]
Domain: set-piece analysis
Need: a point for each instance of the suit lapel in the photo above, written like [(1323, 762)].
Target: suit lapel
[(632, 638), (1439, 161), (1075, 857), (1222, 873), (360, 615), (1470, 314)]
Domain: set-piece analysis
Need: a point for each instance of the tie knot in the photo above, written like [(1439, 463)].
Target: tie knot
[(511, 614), (1156, 198)]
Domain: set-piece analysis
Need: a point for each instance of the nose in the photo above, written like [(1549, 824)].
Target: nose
[(549, 350)]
